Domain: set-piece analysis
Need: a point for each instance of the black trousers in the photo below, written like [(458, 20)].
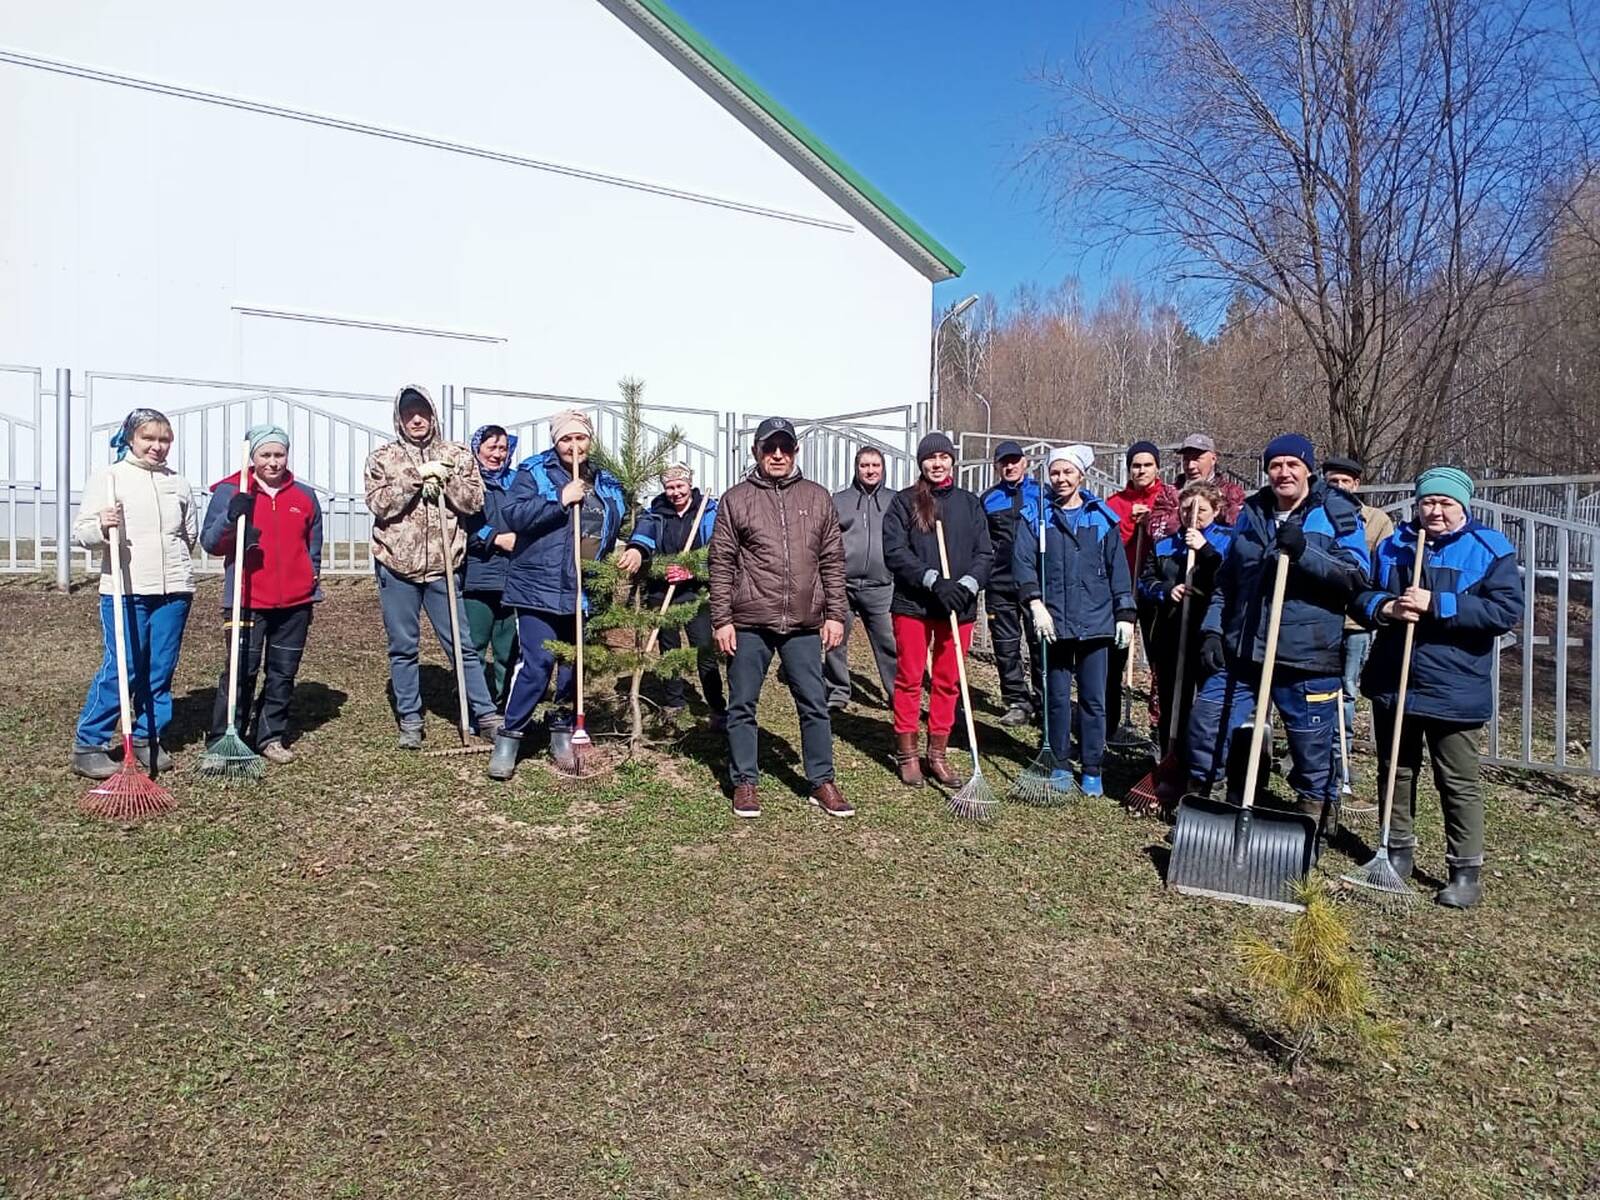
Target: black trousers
[(1011, 634), (274, 638), (698, 631)]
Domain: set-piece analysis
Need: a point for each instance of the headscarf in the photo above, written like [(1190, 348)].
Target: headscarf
[(123, 437), (500, 478), (678, 471), (267, 435), (569, 420)]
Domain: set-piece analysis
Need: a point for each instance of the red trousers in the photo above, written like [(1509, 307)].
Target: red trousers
[(911, 638)]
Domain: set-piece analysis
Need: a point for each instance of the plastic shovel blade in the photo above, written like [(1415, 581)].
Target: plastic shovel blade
[(1247, 855)]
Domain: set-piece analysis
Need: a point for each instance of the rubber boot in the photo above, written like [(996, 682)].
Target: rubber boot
[(163, 760), (561, 751), (938, 765), (92, 762), (1316, 810), (905, 758), (503, 762), (1402, 859), (1463, 890)]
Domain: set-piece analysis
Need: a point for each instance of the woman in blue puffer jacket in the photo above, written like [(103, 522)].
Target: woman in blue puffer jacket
[(542, 581), (1082, 605), (492, 622)]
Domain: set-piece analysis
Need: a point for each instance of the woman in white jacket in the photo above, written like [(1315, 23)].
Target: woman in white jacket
[(154, 507)]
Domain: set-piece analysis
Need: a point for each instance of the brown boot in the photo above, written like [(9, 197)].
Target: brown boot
[(938, 765), (905, 757)]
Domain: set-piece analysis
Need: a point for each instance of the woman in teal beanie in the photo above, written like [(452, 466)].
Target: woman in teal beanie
[(1471, 593)]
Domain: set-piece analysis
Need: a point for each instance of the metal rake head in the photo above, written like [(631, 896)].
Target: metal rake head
[(128, 795), (1379, 882), (975, 800), (228, 758), (1044, 783)]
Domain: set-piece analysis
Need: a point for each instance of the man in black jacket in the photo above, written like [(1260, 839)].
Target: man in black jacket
[(1009, 620), (868, 585)]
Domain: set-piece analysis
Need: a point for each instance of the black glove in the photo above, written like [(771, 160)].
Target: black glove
[(1292, 540), (240, 506), (252, 536), (951, 594), (1212, 658)]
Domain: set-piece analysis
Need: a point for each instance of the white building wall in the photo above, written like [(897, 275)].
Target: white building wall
[(134, 225)]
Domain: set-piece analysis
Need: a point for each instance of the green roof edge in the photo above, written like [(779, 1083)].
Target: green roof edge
[(724, 66)]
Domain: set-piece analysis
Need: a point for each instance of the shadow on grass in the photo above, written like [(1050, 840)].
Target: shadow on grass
[(314, 705)]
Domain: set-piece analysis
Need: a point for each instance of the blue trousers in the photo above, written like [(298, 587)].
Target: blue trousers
[(154, 628), (1088, 662), (531, 677), (1357, 645), (1227, 700), (402, 601)]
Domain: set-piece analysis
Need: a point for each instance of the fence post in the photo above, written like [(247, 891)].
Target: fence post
[(63, 480), (447, 407)]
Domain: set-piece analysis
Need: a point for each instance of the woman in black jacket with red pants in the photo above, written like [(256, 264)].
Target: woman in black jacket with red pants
[(924, 597)]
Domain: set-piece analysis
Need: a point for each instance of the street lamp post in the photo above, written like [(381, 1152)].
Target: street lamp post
[(938, 330)]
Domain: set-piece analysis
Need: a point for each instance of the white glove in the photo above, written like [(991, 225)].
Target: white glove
[(432, 489), (1042, 624), (437, 471), (1124, 634)]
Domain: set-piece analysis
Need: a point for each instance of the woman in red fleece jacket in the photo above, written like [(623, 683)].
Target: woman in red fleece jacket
[(1147, 511), (282, 567)]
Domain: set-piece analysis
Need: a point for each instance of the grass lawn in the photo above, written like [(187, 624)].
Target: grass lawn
[(381, 975)]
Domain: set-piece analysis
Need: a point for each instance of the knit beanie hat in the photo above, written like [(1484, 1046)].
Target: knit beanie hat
[(569, 420), (1294, 445), (1446, 481), (1139, 448), (934, 443), (267, 435), (1078, 455)]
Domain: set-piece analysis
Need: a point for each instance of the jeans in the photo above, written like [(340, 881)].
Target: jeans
[(698, 634), (1227, 700), (402, 601), (531, 677), (1088, 661), (802, 671), (1010, 626), (1357, 645), (154, 628), (277, 636), (870, 602), (1453, 751), (911, 638), (494, 629)]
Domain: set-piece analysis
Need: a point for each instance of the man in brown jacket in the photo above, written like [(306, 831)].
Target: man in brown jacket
[(777, 587), (405, 479)]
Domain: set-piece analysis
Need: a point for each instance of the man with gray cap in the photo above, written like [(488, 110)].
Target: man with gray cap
[(1199, 454), (777, 587), (1015, 491), (868, 584)]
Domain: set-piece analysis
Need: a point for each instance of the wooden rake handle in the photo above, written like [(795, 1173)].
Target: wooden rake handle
[(238, 590), (462, 722), (961, 659), (688, 545), (1400, 698), (1183, 649)]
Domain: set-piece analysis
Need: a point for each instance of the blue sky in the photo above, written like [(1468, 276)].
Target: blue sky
[(933, 101)]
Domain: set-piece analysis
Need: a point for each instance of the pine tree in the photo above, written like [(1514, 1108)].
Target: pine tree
[(636, 461)]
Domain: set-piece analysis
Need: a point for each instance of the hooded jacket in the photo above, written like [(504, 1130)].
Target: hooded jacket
[(159, 524), (662, 529), (1477, 596), (406, 536), (541, 574), (861, 525), (777, 559), (282, 569), (911, 554), (1086, 585), (486, 562), (1003, 506), (1331, 572)]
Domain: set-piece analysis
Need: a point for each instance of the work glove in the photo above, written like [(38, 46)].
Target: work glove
[(240, 506), (679, 575), (1292, 540), (1212, 657), (437, 470), (432, 489), (1042, 624), (950, 594), (1124, 635)]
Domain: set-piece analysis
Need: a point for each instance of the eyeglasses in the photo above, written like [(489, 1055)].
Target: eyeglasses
[(777, 446)]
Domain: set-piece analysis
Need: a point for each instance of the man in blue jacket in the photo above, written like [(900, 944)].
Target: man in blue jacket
[(1320, 530), (1009, 621), (1471, 593)]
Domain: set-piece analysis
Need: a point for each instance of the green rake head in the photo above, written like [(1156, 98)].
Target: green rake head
[(229, 759), (1044, 783)]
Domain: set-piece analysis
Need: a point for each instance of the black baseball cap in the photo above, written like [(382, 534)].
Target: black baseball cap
[(1007, 450), (1343, 464), (773, 426)]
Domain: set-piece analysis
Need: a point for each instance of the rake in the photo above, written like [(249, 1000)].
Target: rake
[(1348, 807), (130, 793), (975, 800), (581, 741), (1045, 782), (230, 757), (1126, 738), (1378, 880), (1144, 798), (469, 743)]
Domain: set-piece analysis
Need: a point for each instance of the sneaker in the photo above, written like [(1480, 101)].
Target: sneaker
[(410, 738), (277, 752), (1017, 714), (1092, 786), (831, 800), (745, 803)]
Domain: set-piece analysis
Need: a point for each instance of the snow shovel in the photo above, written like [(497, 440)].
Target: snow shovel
[(1378, 880), (1233, 851), (1045, 781), (581, 741), (975, 800), (229, 757), (1126, 738), (1144, 798), (469, 744), (130, 793)]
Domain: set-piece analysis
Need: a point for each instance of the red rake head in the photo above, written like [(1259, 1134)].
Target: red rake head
[(128, 795)]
